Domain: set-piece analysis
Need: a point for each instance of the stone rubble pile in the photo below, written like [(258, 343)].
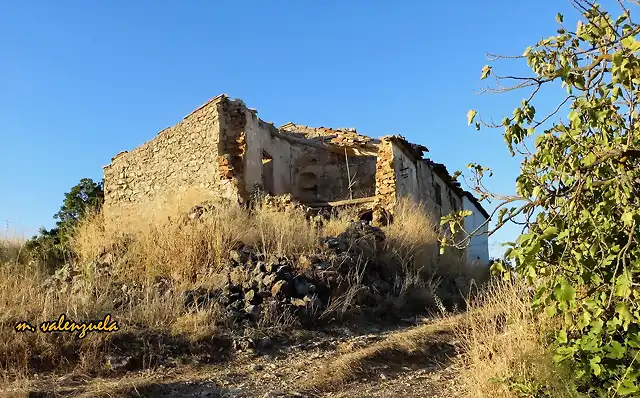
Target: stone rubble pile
[(258, 287), (261, 286)]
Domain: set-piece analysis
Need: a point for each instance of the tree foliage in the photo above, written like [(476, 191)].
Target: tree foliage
[(578, 192), (86, 196), (50, 247)]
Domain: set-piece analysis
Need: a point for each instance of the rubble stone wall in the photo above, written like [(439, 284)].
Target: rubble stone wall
[(232, 147), (181, 158), (386, 175), (223, 150)]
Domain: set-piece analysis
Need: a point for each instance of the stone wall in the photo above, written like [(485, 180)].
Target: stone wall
[(232, 146), (187, 157), (386, 175)]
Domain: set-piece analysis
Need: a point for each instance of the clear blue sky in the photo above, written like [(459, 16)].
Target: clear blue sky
[(83, 80)]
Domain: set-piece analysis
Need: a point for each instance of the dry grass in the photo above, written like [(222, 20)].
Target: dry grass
[(10, 244), (189, 255), (504, 346), (507, 351), (284, 233), (22, 298), (339, 221), (501, 337), (412, 238), (163, 245), (149, 247)]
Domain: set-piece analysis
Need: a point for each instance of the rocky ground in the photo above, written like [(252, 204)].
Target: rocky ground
[(332, 363)]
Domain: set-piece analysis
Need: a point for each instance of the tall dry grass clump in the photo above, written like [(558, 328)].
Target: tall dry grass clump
[(412, 249), (148, 247), (412, 238), (10, 244), (282, 232), (507, 349), (28, 293), (339, 220), (165, 244)]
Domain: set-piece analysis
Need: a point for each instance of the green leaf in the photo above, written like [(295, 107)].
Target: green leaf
[(564, 292), (596, 326), (562, 337), (497, 268), (471, 115), (466, 213), (627, 387), (549, 233), (631, 43), (623, 286), (627, 218), (617, 58), (623, 310), (486, 71), (583, 320), (536, 192), (589, 159), (559, 18), (615, 350), (595, 365), (564, 353)]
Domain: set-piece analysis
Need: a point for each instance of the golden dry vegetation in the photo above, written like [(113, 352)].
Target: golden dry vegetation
[(499, 336)]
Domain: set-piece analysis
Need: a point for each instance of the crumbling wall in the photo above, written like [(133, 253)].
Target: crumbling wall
[(399, 174), (223, 150), (386, 187), (311, 174), (232, 146), (180, 157), (320, 175), (263, 148)]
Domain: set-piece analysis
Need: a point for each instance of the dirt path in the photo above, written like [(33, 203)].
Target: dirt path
[(418, 361)]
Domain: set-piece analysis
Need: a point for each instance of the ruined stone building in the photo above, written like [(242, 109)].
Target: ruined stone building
[(222, 149)]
